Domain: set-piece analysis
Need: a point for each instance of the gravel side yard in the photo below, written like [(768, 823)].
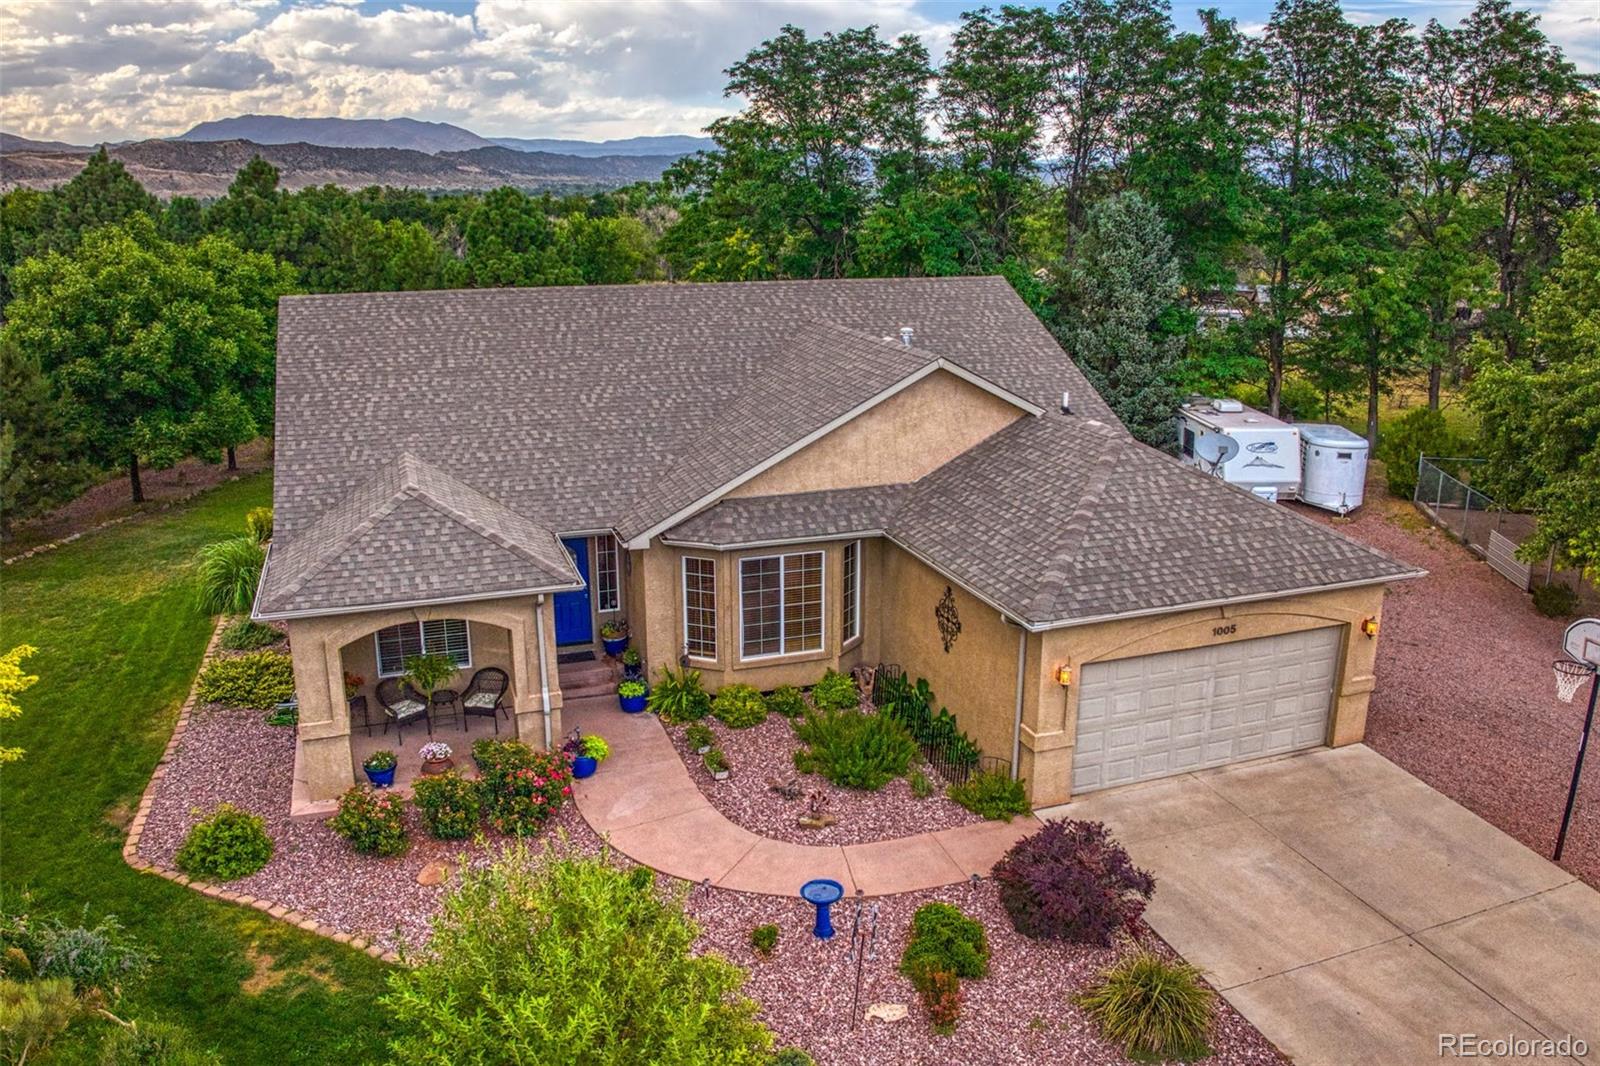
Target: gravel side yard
[(766, 752), (1465, 699)]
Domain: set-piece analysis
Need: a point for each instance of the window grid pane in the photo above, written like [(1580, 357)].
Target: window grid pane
[(394, 644), (852, 590), (802, 602), (447, 636), (700, 607), (605, 574), (761, 598)]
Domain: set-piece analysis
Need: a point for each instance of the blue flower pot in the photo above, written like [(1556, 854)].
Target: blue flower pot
[(633, 704), (584, 766), (615, 647), (382, 778)]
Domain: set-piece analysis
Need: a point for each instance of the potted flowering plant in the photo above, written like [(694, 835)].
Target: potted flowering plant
[(380, 768), (632, 694), (587, 754), (352, 684), (632, 665), (614, 635), (436, 757)]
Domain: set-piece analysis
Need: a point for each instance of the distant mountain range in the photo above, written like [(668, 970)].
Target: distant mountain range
[(354, 153)]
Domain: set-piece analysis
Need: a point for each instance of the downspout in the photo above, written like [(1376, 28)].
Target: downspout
[(544, 669), (1016, 725)]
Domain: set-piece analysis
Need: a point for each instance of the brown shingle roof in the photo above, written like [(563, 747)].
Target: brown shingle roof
[(751, 520), (411, 534)]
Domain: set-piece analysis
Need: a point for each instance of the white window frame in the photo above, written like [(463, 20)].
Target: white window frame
[(852, 593), (423, 643), (716, 605), (604, 546), (783, 606)]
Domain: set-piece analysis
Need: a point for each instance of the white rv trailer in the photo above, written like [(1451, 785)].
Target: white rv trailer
[(1268, 460), (1333, 461)]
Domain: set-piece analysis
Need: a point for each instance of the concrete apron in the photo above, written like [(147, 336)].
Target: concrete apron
[(1356, 915)]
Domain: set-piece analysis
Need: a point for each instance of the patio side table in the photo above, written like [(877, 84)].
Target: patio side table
[(450, 700), (358, 706)]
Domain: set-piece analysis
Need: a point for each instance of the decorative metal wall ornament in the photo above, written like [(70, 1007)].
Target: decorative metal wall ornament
[(949, 618)]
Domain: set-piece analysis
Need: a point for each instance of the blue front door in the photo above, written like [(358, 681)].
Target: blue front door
[(574, 623)]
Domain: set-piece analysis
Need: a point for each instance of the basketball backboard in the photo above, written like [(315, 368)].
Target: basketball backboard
[(1581, 641)]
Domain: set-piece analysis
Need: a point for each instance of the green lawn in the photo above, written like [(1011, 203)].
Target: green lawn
[(119, 641)]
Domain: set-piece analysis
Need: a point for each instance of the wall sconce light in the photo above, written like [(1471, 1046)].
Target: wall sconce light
[(1064, 675), (1370, 627)]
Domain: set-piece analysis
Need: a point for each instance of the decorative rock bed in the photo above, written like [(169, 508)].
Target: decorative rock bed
[(765, 753)]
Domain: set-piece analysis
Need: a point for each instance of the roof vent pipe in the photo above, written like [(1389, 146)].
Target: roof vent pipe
[(1066, 402), (906, 333)]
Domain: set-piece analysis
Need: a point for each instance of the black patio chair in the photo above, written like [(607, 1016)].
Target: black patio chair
[(485, 696), (402, 703)]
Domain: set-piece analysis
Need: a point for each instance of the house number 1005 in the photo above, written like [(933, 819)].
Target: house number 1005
[(1225, 631)]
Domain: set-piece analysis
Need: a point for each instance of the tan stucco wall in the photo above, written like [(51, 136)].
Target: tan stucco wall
[(656, 591), (503, 633), (905, 437)]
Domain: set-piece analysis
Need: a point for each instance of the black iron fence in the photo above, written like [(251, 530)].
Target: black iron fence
[(952, 754)]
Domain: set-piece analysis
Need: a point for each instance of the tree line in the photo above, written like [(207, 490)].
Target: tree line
[(1313, 212)]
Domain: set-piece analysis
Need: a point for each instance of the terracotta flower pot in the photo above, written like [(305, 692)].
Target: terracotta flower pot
[(437, 766)]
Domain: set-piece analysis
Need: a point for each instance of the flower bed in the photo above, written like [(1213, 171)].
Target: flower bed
[(766, 751)]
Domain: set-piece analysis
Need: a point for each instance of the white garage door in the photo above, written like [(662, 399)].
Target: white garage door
[(1156, 715)]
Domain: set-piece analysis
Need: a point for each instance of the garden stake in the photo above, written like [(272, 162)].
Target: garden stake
[(872, 935), (855, 924)]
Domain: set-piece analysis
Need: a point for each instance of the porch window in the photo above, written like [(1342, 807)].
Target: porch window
[(441, 636), (607, 596), (700, 607), (780, 604), (851, 625)]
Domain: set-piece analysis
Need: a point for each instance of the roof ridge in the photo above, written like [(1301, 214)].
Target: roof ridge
[(462, 518), (322, 560), (1054, 576)]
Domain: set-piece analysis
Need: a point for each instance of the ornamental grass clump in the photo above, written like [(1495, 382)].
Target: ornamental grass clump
[(225, 845), (739, 706), (993, 794), (522, 788), (835, 692), (854, 750), (451, 805), (229, 570), (678, 696), (540, 958), (1071, 881), (1152, 1008), (371, 822)]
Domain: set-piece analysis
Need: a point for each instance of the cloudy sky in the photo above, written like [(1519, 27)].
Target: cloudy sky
[(85, 71)]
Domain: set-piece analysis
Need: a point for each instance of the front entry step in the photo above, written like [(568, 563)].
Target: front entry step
[(598, 678)]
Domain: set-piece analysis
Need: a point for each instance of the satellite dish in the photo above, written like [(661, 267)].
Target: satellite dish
[(1215, 449)]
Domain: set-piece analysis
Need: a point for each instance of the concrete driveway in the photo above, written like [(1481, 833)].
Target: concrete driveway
[(1355, 915)]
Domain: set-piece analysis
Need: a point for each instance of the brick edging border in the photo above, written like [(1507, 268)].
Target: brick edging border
[(274, 909)]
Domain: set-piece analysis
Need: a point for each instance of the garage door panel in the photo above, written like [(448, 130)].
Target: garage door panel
[(1155, 715)]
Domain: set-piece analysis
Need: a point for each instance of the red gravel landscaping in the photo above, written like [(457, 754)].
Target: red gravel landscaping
[(766, 752), (1465, 698)]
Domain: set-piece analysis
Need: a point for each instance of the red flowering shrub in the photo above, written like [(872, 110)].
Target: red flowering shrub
[(1071, 881), (373, 821), (523, 788)]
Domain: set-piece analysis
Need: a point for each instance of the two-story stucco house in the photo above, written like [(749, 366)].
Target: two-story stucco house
[(774, 478)]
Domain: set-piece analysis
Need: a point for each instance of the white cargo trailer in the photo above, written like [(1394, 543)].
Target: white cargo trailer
[(1333, 464), (1268, 460)]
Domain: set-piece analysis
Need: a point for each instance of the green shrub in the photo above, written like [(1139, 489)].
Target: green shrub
[(154, 1044), (450, 805), (855, 750), (715, 761), (921, 786), (791, 1056), (32, 1014), (678, 696), (371, 821), (1405, 439), (1555, 600), (698, 736), (245, 635), (258, 523), (225, 845), (835, 692), (96, 957), (594, 933), (258, 680), (229, 572), (764, 938), (739, 707), (992, 794), (787, 701), (942, 938), (522, 788), (1152, 1008)]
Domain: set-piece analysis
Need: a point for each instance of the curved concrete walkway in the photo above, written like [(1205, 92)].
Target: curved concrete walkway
[(644, 802)]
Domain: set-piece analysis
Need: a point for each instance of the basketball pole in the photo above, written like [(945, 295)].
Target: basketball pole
[(1577, 767)]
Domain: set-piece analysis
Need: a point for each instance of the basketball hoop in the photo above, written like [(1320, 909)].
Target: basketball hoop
[(1570, 676)]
